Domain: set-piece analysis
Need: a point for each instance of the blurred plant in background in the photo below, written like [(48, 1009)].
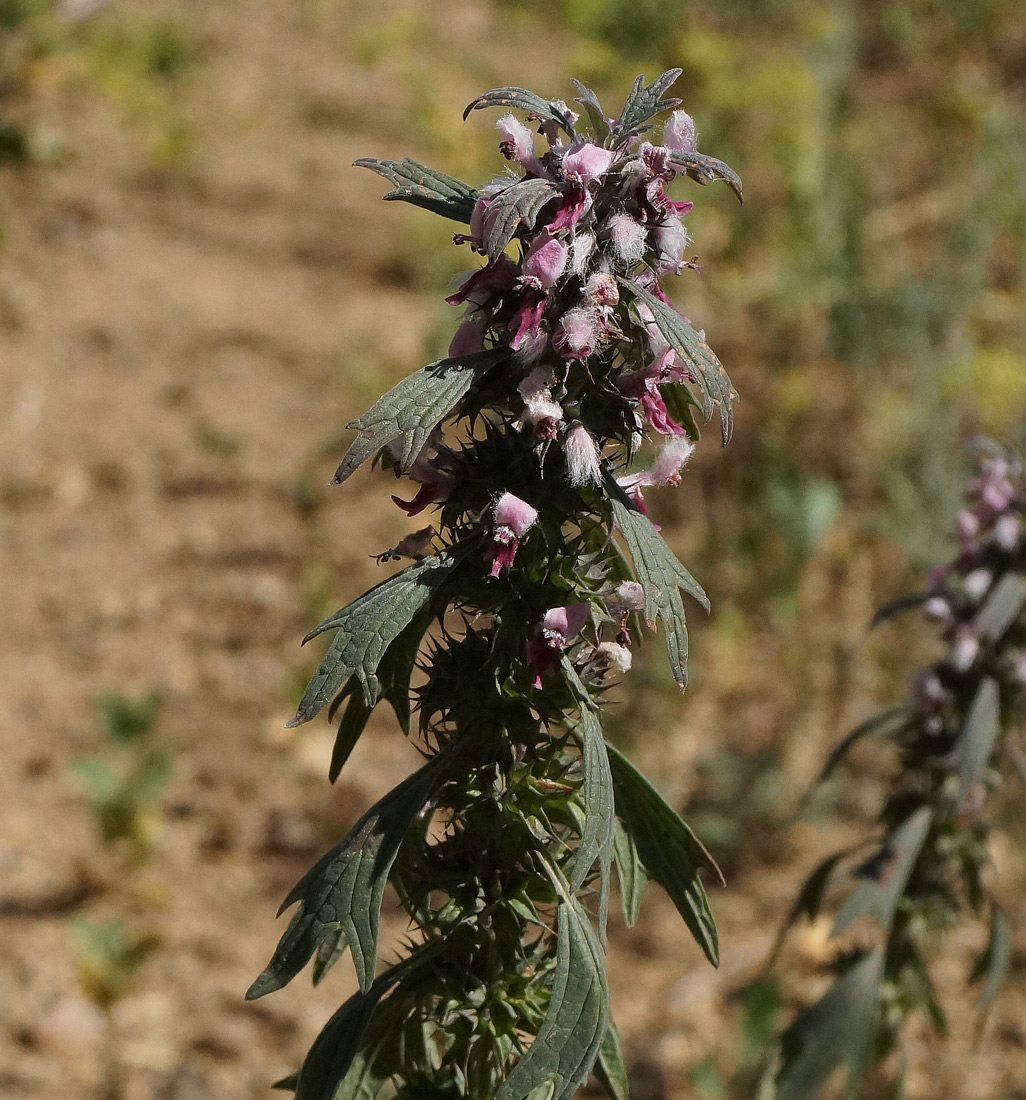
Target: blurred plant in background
[(957, 738), (123, 784)]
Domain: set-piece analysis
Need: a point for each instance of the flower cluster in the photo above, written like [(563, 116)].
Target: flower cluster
[(522, 605), (930, 867)]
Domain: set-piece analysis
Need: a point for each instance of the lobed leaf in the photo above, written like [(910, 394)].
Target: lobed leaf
[(643, 103), (630, 871), (422, 186), (589, 101), (576, 1019), (366, 629), (714, 385), (705, 169), (522, 100), (669, 851), (878, 893), (662, 576), (837, 1029), (610, 1070), (341, 894), (520, 203), (413, 408)]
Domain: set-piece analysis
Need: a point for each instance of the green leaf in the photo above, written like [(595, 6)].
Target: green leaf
[(714, 385), (379, 1055), (837, 1029), (422, 186), (993, 965), (341, 894), (631, 873), (1001, 607), (366, 628), (577, 1016), (972, 751), (610, 1070), (879, 892), (329, 1060), (704, 169), (589, 101), (642, 103), (519, 204), (394, 671), (668, 849), (662, 576), (599, 816), (413, 408), (522, 100), (885, 724)]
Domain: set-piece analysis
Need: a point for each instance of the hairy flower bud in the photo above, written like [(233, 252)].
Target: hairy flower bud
[(618, 656), (627, 237), (679, 133), (582, 457)]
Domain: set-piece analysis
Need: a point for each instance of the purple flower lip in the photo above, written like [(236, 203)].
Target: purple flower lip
[(513, 519)]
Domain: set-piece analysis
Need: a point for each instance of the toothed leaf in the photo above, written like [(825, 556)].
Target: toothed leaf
[(645, 102), (669, 851), (422, 186), (714, 385), (341, 894), (522, 100), (704, 169), (662, 577), (413, 408), (367, 627)]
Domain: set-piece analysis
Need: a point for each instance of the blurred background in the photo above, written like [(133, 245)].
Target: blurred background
[(197, 292)]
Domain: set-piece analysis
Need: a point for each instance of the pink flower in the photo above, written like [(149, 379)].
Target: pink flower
[(627, 238), (1006, 532), (486, 281), (667, 466), (435, 486), (558, 626), (586, 163), (526, 322), (518, 143), (513, 519), (541, 413), (468, 339), (631, 594), (545, 262), (679, 133), (582, 457), (601, 291), (616, 655), (576, 201), (671, 239), (578, 333)]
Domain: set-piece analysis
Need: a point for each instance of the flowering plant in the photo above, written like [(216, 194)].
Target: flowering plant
[(519, 609), (930, 867)]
